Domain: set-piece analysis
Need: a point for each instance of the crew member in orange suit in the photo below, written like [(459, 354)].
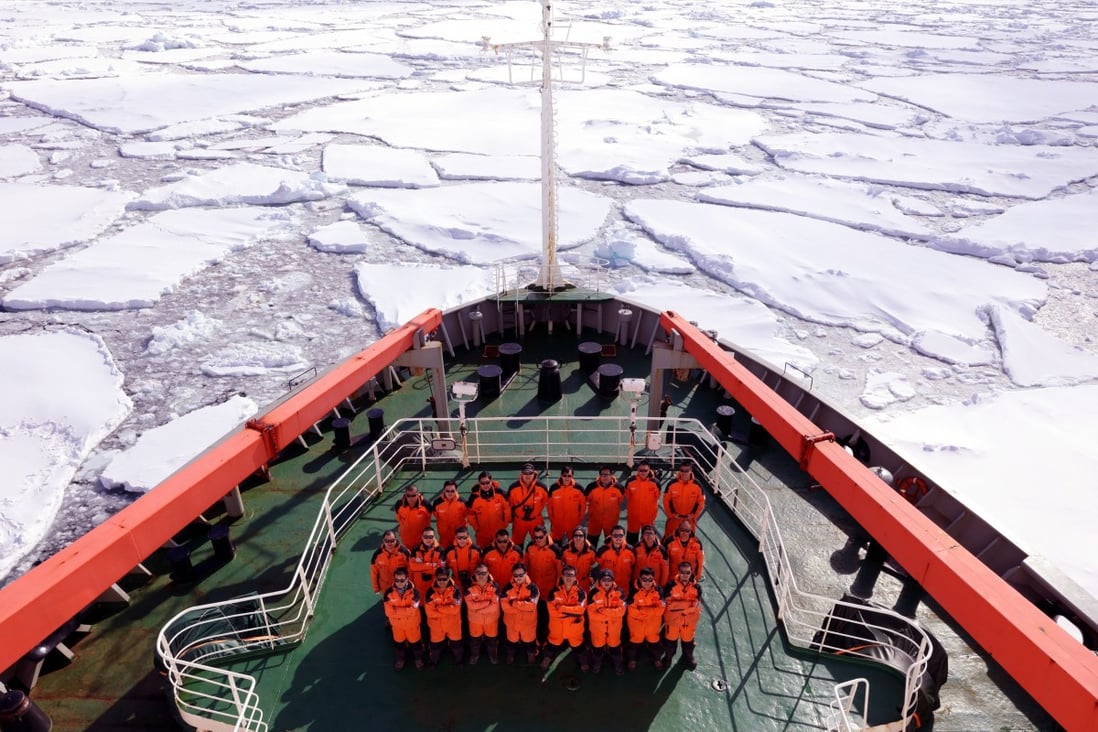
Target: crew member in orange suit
[(527, 497), (502, 557), (580, 554), (680, 617), (683, 500), (604, 498), (542, 560), (566, 614), (488, 510), (567, 505), (642, 501), (389, 557), (618, 557), (519, 603), (443, 606), (450, 513), (644, 617), (684, 546), (426, 558), (401, 605), (651, 554), (413, 516), (605, 612), (462, 558), (482, 614)]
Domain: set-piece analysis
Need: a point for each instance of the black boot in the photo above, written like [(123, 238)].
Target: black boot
[(435, 654), (616, 659), (459, 652), (668, 651), (475, 645), (655, 654), (400, 650), (583, 657), (531, 652), (631, 656), (417, 655), (688, 655), (596, 659), (509, 653), (493, 650), (548, 654)]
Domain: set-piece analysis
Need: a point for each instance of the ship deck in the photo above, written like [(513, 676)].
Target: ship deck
[(340, 675)]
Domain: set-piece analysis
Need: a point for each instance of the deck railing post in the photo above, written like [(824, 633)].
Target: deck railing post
[(306, 594)]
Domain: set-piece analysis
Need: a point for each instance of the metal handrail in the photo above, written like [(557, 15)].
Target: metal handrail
[(284, 616)]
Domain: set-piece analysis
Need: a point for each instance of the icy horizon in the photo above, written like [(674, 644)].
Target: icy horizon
[(898, 203)]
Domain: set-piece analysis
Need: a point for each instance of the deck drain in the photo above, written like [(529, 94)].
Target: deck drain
[(718, 685)]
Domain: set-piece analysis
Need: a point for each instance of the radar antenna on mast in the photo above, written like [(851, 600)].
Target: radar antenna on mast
[(550, 278)]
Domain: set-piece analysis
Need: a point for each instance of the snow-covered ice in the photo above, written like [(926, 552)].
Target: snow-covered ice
[(901, 204)]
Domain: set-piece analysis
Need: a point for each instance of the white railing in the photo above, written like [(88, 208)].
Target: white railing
[(846, 695), (591, 273), (213, 698)]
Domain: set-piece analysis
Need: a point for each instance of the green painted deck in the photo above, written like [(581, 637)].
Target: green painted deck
[(341, 676)]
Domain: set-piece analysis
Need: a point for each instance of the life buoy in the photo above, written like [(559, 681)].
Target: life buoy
[(913, 488)]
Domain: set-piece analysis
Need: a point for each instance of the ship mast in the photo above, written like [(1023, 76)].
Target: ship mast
[(550, 278)]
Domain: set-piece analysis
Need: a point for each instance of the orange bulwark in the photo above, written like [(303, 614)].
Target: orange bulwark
[(1060, 673), (46, 597)]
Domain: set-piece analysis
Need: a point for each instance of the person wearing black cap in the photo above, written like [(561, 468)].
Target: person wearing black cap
[(605, 612), (527, 497)]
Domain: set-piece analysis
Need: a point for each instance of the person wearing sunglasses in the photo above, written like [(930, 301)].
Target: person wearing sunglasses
[(482, 613), (617, 557), (528, 497), (443, 610), (604, 498), (388, 558), (463, 557), (683, 596), (519, 603), (644, 618), (605, 612), (684, 546), (502, 557), (683, 500), (451, 513), (401, 604), (427, 557), (642, 501), (542, 560), (413, 516), (579, 553), (567, 505), (565, 606), (651, 554), (488, 510)]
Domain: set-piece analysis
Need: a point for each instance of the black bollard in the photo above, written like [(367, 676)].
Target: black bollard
[(179, 560), (509, 359), (590, 353), (376, 417), (549, 387), (724, 419), (19, 714), (222, 544), (341, 428), (609, 380)]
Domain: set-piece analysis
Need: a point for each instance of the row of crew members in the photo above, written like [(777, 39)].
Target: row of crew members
[(544, 558), (524, 505), (590, 623)]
